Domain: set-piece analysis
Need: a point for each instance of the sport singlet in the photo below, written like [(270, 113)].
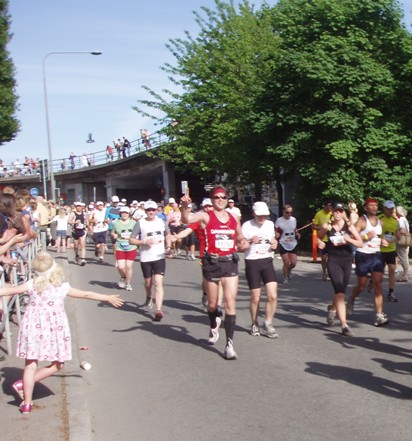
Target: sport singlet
[(336, 245), (389, 229), (220, 237), (79, 226), (373, 245)]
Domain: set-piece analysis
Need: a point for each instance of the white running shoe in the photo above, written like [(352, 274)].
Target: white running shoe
[(230, 353), (128, 287), (214, 333), (122, 283)]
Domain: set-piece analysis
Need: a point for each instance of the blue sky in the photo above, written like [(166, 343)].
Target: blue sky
[(93, 94)]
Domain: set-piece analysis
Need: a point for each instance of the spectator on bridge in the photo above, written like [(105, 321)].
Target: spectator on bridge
[(17, 167), (145, 134), (44, 333), (109, 153), (83, 160), (72, 158), (118, 146), (126, 146), (63, 165)]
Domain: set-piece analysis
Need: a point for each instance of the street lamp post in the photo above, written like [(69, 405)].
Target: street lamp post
[(50, 166)]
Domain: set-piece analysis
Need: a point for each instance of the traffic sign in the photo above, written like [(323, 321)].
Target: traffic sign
[(34, 192)]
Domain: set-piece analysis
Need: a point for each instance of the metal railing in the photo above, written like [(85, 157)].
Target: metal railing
[(100, 157), (19, 274)]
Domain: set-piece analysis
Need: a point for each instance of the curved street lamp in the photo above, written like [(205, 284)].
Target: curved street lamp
[(50, 167)]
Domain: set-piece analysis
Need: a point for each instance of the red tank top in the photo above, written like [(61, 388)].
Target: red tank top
[(200, 233), (220, 237)]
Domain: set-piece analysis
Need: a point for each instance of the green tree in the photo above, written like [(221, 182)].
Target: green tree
[(337, 111), (220, 73), (9, 125)]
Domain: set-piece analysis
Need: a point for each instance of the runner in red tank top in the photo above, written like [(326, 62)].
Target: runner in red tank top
[(220, 262)]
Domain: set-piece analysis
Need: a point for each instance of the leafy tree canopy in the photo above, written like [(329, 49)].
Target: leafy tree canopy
[(9, 125), (317, 91)]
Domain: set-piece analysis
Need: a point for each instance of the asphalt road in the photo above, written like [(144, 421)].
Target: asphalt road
[(160, 381)]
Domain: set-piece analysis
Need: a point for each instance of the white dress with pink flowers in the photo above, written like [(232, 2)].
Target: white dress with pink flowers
[(44, 332)]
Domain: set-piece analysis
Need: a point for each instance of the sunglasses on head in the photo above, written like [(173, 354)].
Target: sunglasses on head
[(219, 197)]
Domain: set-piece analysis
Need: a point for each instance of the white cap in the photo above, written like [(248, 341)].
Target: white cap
[(77, 203), (231, 200), (124, 210), (150, 204), (261, 209), (91, 206), (124, 201), (172, 201), (99, 203), (115, 198), (206, 201), (134, 202), (142, 202)]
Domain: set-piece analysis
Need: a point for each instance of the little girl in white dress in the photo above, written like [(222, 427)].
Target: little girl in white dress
[(44, 333)]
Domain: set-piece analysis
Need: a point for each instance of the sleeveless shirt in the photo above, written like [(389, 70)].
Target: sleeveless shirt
[(220, 237)]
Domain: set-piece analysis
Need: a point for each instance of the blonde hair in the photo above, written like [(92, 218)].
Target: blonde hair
[(62, 213), (352, 206), (46, 272)]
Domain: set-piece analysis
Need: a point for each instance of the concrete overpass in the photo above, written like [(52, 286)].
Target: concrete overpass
[(139, 176)]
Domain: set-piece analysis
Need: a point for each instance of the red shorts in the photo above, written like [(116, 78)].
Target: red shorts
[(126, 255)]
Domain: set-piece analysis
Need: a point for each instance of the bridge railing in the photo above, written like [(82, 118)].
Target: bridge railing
[(138, 146)]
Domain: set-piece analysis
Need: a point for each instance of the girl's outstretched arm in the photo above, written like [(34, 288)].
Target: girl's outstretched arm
[(10, 290), (113, 299)]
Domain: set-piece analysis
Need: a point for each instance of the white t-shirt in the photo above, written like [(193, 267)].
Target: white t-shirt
[(235, 211), (155, 229), (403, 223), (99, 224), (288, 227), (265, 232), (61, 222)]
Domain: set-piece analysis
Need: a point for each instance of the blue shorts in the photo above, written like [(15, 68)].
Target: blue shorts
[(100, 237), (61, 233), (368, 263)]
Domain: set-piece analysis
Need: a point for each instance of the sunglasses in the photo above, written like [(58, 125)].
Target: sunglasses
[(219, 197), (288, 212), (340, 210), (151, 209)]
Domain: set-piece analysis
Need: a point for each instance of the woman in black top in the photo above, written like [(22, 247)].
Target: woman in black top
[(341, 234)]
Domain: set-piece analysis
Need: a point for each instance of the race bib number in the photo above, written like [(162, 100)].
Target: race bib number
[(79, 226), (262, 248), (224, 244), (337, 240), (289, 237), (375, 242)]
